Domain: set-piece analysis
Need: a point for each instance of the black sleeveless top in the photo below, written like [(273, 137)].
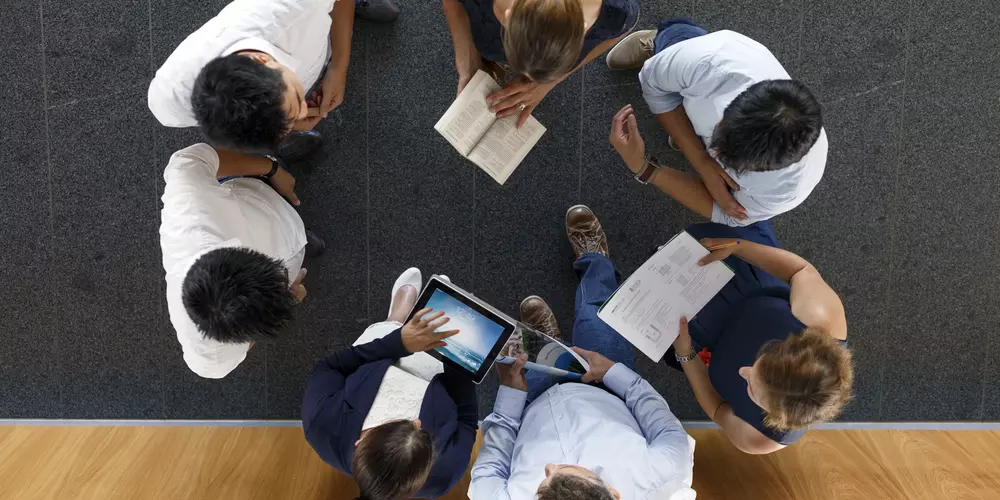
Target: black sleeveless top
[(616, 18)]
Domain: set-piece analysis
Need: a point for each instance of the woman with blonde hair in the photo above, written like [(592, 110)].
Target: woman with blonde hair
[(777, 336), (540, 41)]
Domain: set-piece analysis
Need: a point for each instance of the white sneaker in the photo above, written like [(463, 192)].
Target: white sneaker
[(410, 277)]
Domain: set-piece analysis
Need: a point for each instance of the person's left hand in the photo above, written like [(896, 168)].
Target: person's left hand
[(284, 184), (721, 253), (298, 288), (682, 344), (599, 365), (520, 90), (334, 82), (626, 139)]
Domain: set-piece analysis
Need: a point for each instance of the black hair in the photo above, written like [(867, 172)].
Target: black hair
[(392, 461), (769, 126), (237, 295), (239, 104), (567, 487)]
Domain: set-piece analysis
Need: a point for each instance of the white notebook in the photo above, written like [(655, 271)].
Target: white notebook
[(647, 308), (496, 146)]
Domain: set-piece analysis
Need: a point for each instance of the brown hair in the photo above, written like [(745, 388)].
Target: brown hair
[(567, 487), (392, 461), (807, 378), (544, 38)]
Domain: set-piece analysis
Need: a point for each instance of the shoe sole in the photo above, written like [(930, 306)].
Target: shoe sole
[(619, 44)]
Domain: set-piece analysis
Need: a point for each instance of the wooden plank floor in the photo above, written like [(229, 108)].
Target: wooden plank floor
[(244, 463)]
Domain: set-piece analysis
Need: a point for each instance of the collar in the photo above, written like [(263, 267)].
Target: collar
[(261, 45)]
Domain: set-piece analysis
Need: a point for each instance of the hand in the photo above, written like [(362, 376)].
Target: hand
[(307, 124), (599, 365), (297, 288), (519, 91), (334, 82), (513, 375), (626, 139), (468, 70), (719, 254), (419, 333), (284, 184), (719, 184), (682, 345)]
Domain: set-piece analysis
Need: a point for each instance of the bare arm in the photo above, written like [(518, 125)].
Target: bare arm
[(678, 126), (341, 32), (232, 164), (684, 188), (467, 59)]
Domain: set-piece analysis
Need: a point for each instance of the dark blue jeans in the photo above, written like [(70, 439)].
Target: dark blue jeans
[(676, 29), (598, 280)]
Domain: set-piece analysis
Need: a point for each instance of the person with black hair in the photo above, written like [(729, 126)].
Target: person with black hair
[(754, 135), (261, 74), (387, 413), (233, 254)]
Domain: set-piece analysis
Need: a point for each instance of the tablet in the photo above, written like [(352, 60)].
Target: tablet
[(483, 330)]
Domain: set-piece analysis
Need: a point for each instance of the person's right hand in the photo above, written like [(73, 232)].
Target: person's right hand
[(284, 184), (599, 365), (419, 333), (306, 124), (298, 289), (467, 70), (513, 375), (719, 184)]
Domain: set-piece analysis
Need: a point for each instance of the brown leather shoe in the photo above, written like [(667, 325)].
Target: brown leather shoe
[(585, 232), (538, 316)]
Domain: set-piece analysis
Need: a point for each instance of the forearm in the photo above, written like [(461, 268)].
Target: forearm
[(779, 263), (678, 126), (461, 32), (232, 163), (701, 385), (684, 188), (341, 31)]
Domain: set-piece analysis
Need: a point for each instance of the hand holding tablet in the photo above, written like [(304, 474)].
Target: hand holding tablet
[(419, 332)]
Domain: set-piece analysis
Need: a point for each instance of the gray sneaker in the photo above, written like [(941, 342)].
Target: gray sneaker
[(632, 50), (376, 11)]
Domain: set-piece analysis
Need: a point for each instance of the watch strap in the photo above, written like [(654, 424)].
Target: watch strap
[(276, 163), (648, 171), (685, 359)]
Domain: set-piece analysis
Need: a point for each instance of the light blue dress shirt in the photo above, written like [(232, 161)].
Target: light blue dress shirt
[(637, 446)]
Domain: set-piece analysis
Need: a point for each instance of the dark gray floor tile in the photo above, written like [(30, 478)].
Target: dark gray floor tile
[(521, 246), (991, 381), (95, 48), (852, 47), (953, 43), (173, 20), (853, 257), (945, 227), (240, 395), (290, 361), (776, 25), (596, 73), (421, 189), (106, 267), (29, 366)]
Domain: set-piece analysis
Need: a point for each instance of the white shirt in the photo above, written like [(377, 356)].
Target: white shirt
[(200, 215), (295, 32), (705, 74), (636, 446)]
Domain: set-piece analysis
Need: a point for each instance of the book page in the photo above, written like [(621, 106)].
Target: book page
[(469, 117), (647, 308), (504, 146)]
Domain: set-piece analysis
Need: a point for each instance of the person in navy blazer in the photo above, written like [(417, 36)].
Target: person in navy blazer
[(399, 460)]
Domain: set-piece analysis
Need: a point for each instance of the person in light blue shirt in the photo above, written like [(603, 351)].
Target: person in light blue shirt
[(614, 440)]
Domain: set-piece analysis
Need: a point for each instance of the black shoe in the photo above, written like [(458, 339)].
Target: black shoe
[(299, 145), (314, 245), (376, 11)]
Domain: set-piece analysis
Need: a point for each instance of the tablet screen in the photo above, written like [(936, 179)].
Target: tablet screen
[(477, 333)]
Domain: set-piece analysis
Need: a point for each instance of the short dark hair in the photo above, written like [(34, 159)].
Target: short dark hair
[(239, 104), (392, 461), (769, 126), (568, 487), (237, 295)]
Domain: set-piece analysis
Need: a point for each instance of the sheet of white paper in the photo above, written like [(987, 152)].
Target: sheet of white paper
[(469, 117), (504, 146), (647, 308)]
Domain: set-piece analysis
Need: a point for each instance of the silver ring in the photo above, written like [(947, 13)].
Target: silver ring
[(523, 106)]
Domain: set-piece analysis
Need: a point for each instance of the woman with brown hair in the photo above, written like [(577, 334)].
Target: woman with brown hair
[(540, 41), (776, 333)]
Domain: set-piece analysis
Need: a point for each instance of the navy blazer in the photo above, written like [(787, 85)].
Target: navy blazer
[(342, 388)]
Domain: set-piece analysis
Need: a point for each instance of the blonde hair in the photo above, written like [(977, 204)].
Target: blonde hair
[(544, 38), (807, 378)]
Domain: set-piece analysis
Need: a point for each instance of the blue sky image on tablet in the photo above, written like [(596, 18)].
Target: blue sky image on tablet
[(476, 336)]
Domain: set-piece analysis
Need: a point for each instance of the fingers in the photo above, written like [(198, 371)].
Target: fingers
[(622, 115), (429, 318), (434, 325), (300, 276), (512, 88), (684, 325), (507, 106), (519, 363), (633, 126), (729, 180), (585, 354), (294, 199), (524, 115), (449, 333), (416, 317), (714, 256)]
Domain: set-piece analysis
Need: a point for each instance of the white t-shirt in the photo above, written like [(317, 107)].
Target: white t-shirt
[(295, 32), (200, 215), (705, 74)]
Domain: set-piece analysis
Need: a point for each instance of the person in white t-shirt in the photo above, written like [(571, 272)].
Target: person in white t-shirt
[(753, 135), (232, 252), (260, 70)]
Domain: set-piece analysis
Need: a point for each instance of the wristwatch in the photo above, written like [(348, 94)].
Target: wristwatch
[(685, 359), (649, 169), (276, 163)]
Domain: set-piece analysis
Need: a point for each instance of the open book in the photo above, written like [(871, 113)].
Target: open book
[(496, 146), (545, 354), (647, 308)]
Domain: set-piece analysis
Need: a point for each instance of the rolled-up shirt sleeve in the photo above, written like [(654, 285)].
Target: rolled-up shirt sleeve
[(492, 467), (670, 75)]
